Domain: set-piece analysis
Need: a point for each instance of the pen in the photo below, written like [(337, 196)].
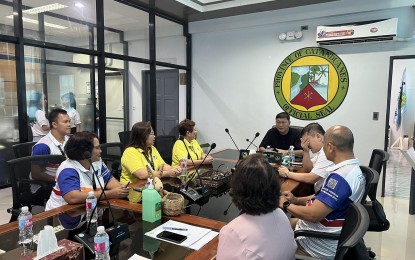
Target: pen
[(126, 186), (173, 228)]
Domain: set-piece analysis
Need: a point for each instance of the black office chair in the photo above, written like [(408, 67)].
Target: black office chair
[(124, 138), (111, 155), (164, 144), (28, 192), (377, 161), (354, 228), (23, 149), (377, 215), (372, 178)]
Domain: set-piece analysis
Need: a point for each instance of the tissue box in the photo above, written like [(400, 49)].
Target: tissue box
[(70, 251)]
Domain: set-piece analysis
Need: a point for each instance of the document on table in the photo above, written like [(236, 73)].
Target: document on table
[(197, 237)]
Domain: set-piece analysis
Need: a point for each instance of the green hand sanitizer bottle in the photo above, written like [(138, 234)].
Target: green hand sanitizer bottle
[(151, 204)]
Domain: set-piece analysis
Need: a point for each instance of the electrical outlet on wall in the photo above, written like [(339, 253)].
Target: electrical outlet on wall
[(375, 116)]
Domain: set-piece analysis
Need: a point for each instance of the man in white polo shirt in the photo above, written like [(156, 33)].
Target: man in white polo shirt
[(51, 144), (316, 169)]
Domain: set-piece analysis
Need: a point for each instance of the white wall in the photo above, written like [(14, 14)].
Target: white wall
[(235, 59)]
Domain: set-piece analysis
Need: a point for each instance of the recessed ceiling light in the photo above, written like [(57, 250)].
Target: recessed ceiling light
[(52, 25), (44, 8), (79, 5)]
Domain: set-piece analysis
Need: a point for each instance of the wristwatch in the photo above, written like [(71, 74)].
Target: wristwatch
[(285, 205)]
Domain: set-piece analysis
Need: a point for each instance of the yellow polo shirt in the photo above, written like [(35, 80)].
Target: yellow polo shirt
[(132, 160), (179, 151)]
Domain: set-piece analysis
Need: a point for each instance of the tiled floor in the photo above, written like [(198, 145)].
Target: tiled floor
[(5, 203), (397, 243)]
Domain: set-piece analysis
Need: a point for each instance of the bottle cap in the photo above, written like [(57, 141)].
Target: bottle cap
[(91, 193), (150, 185), (25, 209), (101, 229)]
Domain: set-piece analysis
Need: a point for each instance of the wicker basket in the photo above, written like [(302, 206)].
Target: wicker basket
[(173, 204), (215, 178)]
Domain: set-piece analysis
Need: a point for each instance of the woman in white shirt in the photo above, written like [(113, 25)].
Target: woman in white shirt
[(69, 104), (37, 118)]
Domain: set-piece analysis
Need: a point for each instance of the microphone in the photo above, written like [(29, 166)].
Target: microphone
[(205, 190), (227, 131), (240, 157), (256, 135), (117, 232), (252, 144)]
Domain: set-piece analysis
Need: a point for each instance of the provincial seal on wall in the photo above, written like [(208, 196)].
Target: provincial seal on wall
[(311, 83)]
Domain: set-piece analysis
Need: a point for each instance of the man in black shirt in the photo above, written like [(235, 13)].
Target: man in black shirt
[(280, 137)]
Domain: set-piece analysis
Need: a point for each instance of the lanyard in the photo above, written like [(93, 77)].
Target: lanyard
[(193, 150), (60, 149), (148, 160)]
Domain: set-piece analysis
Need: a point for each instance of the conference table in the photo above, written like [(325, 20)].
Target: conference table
[(69, 220)]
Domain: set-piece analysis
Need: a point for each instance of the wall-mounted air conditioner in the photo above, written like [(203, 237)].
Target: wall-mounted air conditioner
[(369, 31)]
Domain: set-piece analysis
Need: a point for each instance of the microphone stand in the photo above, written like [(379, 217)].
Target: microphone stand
[(256, 135), (227, 131), (252, 144), (240, 157), (227, 209), (102, 193), (205, 190), (117, 232)]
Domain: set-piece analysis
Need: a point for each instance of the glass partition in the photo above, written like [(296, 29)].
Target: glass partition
[(8, 108), (69, 87), (129, 30), (6, 17), (170, 42), (63, 22)]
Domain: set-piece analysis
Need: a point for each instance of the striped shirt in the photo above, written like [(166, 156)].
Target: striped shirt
[(71, 175), (48, 145), (320, 166), (345, 185)]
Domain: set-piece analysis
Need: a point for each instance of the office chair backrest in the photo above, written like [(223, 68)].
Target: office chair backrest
[(377, 160), (124, 138), (354, 228), (164, 144), (372, 178), (19, 170), (23, 149), (111, 155)]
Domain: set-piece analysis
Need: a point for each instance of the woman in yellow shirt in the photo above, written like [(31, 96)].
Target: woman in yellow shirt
[(188, 147), (140, 154)]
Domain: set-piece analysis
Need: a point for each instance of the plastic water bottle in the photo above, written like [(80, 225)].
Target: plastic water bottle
[(291, 156), (91, 203), (25, 227), (151, 204), (183, 174), (268, 149), (102, 244)]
